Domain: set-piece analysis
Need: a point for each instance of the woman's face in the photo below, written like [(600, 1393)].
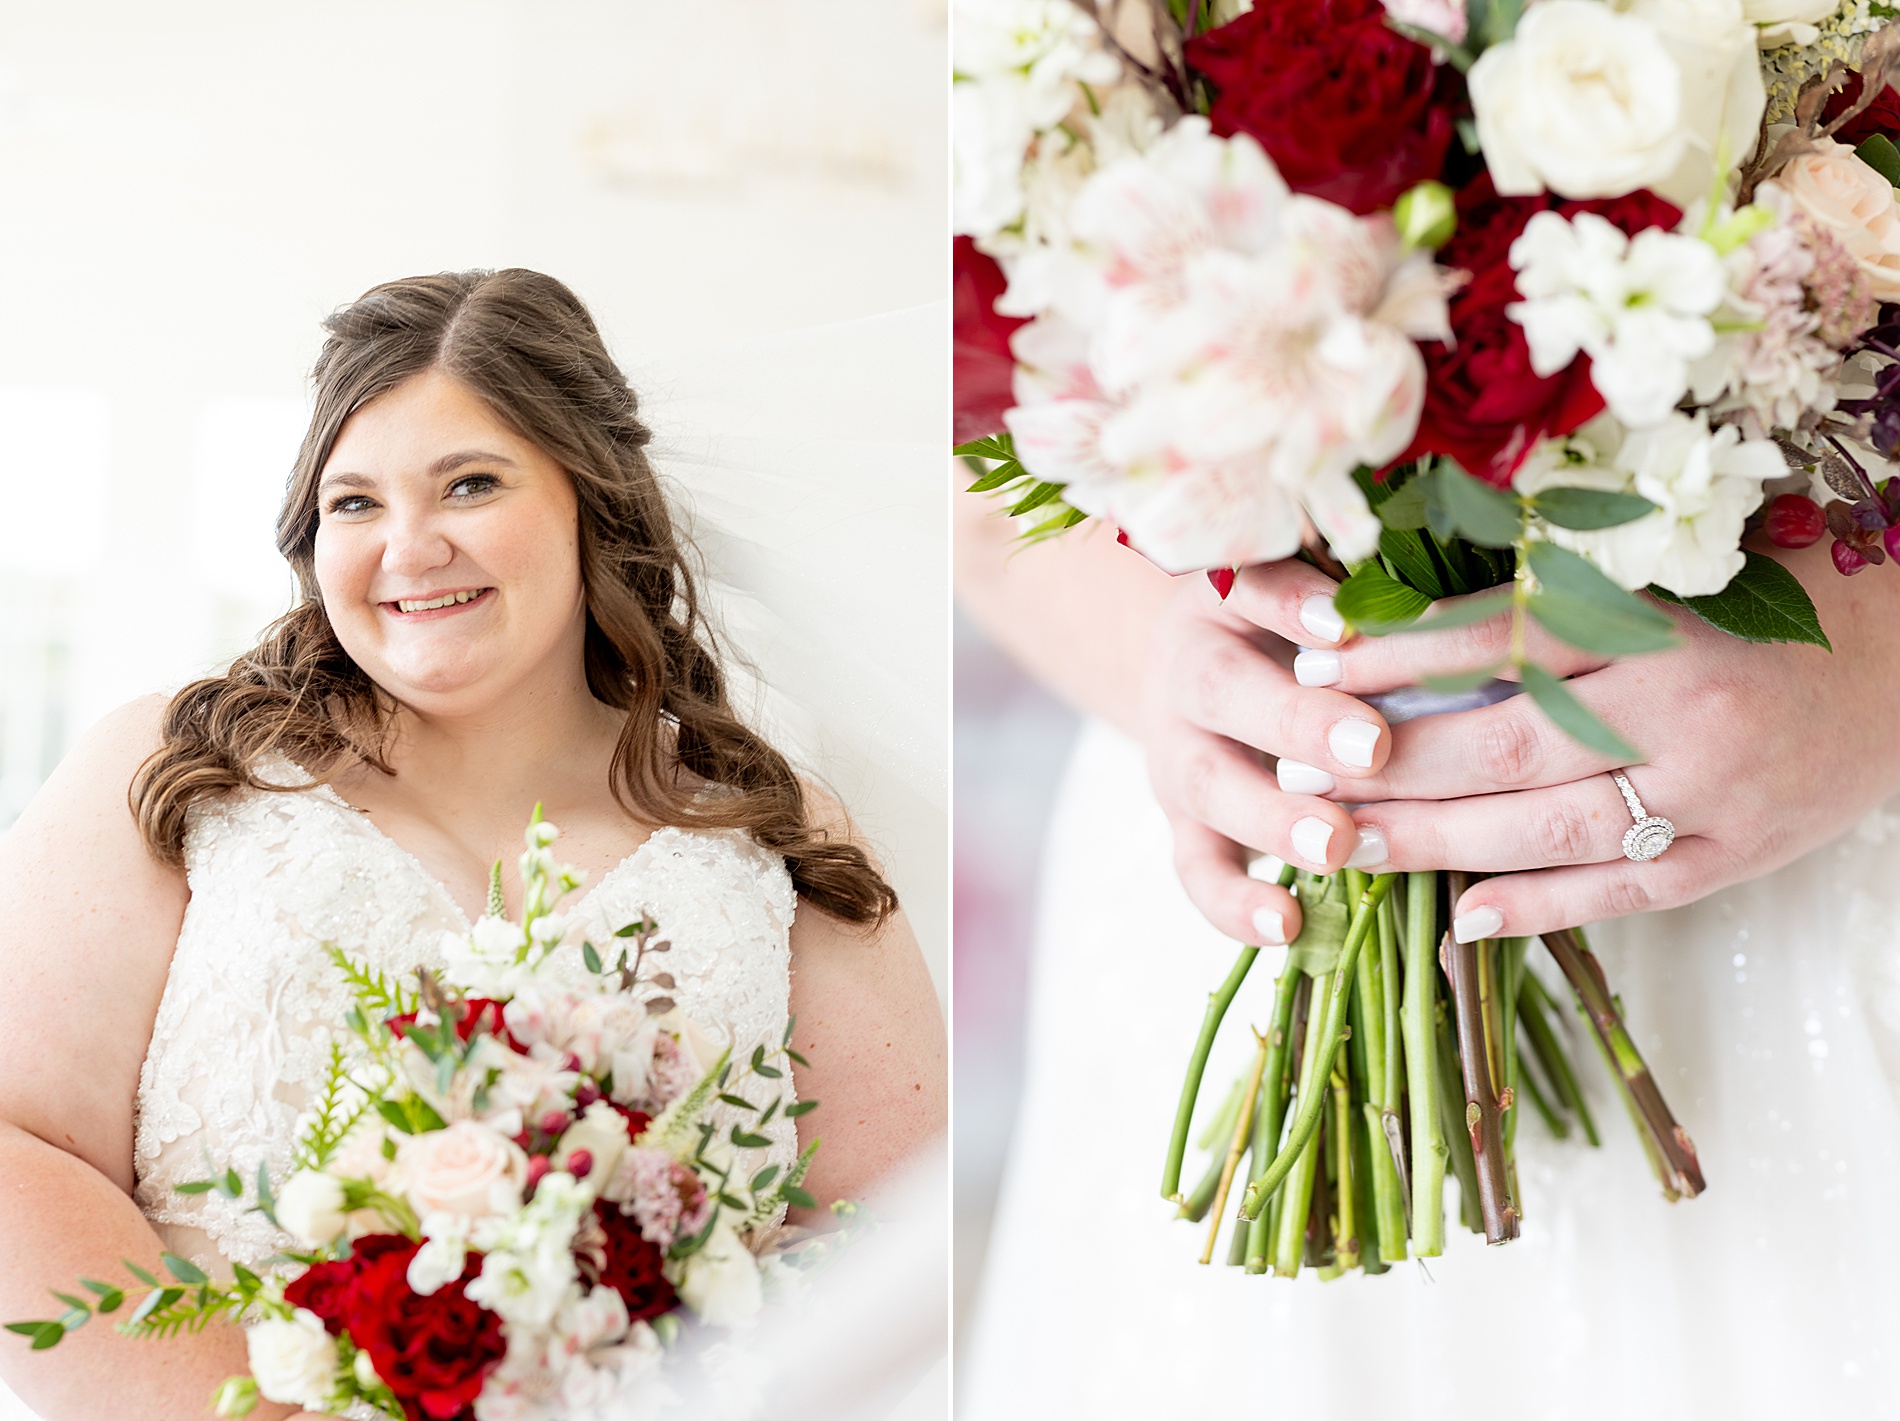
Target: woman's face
[(447, 551)]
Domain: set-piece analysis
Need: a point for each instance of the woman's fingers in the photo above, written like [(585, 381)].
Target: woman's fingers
[(1213, 870), (1506, 746), (1525, 904), (1232, 688), (1223, 786), (1578, 823), (1369, 664), (1289, 598)]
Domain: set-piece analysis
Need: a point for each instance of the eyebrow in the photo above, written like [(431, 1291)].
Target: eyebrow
[(448, 463)]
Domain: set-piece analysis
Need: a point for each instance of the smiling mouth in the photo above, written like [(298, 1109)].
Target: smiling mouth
[(442, 602)]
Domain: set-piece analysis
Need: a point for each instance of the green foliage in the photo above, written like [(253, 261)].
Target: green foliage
[(377, 997), (334, 1117), (1589, 508), (1877, 152), (1026, 493), (1375, 602), (1457, 505), (1577, 604), (1464, 612), (1763, 602)]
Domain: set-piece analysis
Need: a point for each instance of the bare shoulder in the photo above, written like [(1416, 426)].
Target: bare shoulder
[(872, 1029), (85, 945)]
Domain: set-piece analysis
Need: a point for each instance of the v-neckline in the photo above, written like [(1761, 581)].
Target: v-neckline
[(361, 816)]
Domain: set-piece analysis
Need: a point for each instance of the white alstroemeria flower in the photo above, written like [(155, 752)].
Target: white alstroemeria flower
[(720, 1281), (1597, 100), (443, 1255), (1779, 22), (1703, 482), (294, 1359), (1225, 355), (1638, 308), (1018, 67), (310, 1207)]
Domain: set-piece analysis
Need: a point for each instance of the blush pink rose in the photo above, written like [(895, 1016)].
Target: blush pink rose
[(1849, 200), (467, 1170)]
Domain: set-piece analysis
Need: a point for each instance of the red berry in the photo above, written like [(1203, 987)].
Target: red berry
[(1846, 560), (553, 1122), (538, 1166), (581, 1163), (1795, 522)]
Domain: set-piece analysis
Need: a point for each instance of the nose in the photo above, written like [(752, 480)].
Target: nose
[(415, 545)]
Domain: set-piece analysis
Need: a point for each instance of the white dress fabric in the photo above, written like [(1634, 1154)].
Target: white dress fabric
[(1770, 1015), (242, 1037)]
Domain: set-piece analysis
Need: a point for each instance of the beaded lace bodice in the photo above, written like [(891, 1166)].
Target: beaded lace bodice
[(243, 1028)]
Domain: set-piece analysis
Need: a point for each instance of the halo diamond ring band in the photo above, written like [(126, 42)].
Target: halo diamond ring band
[(1650, 834)]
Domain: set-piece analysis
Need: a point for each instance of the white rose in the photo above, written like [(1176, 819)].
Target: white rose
[(1781, 22), (310, 1206), (602, 1133), (1597, 100), (467, 1170), (721, 1281), (1851, 202), (295, 1360)]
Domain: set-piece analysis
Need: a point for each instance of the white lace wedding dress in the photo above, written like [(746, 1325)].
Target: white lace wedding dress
[(242, 1035), (1770, 1014)]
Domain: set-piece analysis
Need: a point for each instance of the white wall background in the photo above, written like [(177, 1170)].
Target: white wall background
[(187, 187)]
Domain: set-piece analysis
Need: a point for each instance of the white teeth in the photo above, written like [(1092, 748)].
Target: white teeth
[(450, 599)]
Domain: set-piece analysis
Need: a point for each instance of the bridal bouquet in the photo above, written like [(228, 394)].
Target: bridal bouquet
[(1542, 307), (510, 1195)]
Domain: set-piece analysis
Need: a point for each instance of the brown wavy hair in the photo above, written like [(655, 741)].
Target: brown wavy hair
[(526, 345)]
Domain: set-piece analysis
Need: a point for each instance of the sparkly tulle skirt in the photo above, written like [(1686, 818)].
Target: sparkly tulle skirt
[(1770, 1014)]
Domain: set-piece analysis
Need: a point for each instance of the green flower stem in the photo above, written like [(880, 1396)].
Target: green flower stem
[(1511, 954), (1679, 1169), (1345, 1215), (1451, 1118), (1217, 1003), (1242, 1125), (1329, 1004), (1373, 1052), (1481, 1116), (1534, 1007), (1299, 1155), (1290, 992), (1545, 1111), (1429, 1154)]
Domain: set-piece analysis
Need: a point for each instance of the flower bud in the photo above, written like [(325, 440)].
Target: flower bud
[(1847, 560), (365, 1370), (1425, 215), (237, 1397), (580, 1163)]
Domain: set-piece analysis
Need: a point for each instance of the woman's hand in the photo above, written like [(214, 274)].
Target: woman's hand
[(1241, 755), (1758, 753)]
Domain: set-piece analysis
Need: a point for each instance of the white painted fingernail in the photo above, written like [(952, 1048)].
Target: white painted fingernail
[(1370, 851), (1269, 927), (1298, 777), (1353, 742), (1316, 668), (1478, 923), (1310, 838), (1322, 619)]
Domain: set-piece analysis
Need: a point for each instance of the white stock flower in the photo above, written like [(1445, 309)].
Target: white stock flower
[(293, 1359), (443, 1255), (482, 960), (720, 1282), (1704, 482), (1225, 355), (528, 1269), (1017, 69), (310, 1207), (469, 1171), (1638, 308), (598, 1355), (1596, 100)]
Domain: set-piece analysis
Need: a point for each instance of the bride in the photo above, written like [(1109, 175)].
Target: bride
[(496, 610), (1759, 962)]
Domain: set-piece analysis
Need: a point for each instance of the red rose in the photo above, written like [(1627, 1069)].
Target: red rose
[(637, 1120), (431, 1352), (1882, 116), (632, 1267), (1484, 405), (984, 367), (1347, 108)]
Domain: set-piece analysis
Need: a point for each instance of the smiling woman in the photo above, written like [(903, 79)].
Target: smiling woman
[(496, 612)]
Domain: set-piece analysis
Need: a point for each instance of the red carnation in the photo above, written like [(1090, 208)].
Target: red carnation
[(1347, 108), (984, 368), (478, 1014), (632, 1266), (1882, 116), (1484, 405)]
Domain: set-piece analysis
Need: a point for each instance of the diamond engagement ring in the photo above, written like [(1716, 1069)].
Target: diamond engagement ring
[(1650, 834)]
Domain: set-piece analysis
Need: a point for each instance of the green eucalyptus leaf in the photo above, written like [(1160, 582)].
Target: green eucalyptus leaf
[(1574, 718), (1463, 612), (1461, 682), (1607, 631), (590, 957), (792, 1194), (397, 1117), (1404, 511), (150, 1279), (1624, 616), (48, 1335), (1375, 602), (804, 1107), (74, 1318), (183, 1269), (195, 1186), (1763, 602), (1589, 508), (1473, 509), (763, 1178), (1877, 152)]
